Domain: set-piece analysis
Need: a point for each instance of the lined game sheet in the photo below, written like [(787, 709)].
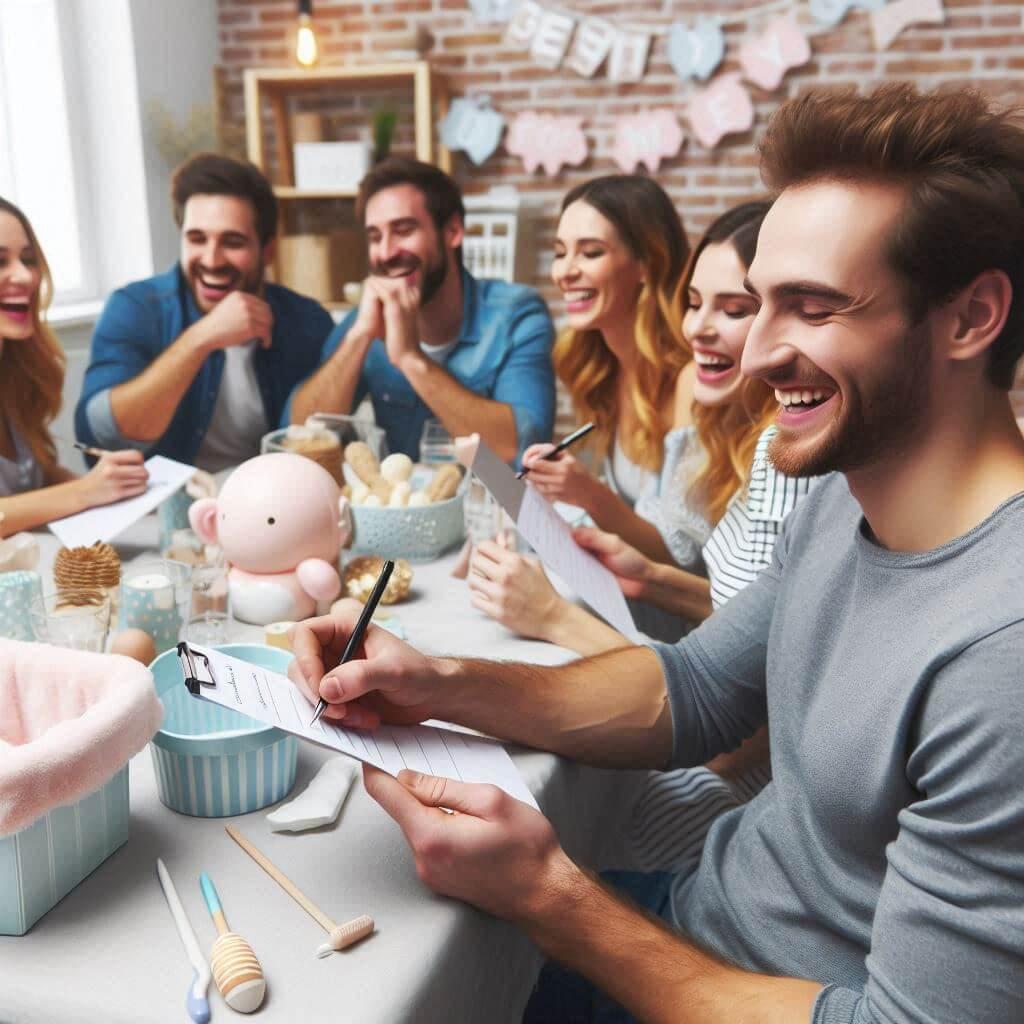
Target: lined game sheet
[(272, 698)]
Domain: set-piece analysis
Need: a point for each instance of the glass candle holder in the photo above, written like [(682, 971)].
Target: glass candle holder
[(78, 619), (156, 597)]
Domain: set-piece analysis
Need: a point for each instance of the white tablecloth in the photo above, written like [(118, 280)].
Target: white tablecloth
[(109, 951)]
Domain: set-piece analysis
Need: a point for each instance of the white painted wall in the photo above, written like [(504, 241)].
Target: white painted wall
[(176, 46)]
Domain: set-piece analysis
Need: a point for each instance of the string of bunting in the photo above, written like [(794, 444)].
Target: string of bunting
[(556, 38)]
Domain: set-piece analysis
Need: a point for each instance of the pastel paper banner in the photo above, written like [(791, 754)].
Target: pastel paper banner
[(720, 109), (551, 39), (543, 140), (492, 10), (831, 12), (523, 24), (472, 126), (696, 52), (590, 46), (646, 138), (628, 57), (767, 57), (889, 21)]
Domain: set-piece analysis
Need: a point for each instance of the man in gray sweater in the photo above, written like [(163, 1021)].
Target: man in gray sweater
[(880, 876)]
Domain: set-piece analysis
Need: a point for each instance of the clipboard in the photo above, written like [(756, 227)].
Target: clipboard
[(261, 694)]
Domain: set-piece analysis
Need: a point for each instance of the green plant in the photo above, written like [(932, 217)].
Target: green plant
[(384, 121)]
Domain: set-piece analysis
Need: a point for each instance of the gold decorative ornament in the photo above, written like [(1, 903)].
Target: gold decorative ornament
[(361, 574)]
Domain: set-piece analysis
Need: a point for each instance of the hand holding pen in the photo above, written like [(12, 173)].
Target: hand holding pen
[(356, 636), (116, 475), (558, 448)]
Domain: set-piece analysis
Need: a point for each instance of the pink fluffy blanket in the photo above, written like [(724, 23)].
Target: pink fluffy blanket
[(69, 720)]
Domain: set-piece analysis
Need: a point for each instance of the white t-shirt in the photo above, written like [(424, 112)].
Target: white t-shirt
[(239, 419)]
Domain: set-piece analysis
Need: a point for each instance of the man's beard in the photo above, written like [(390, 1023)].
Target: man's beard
[(432, 278), (870, 428), (251, 283)]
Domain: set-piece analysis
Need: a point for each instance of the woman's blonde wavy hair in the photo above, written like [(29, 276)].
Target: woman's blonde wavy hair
[(32, 372), (729, 432), (650, 226)]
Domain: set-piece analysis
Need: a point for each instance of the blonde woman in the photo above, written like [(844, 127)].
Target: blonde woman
[(34, 488), (619, 255)]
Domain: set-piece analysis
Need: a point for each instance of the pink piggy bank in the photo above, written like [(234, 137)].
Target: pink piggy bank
[(281, 521)]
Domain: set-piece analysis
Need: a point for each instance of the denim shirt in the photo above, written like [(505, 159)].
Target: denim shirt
[(503, 353), (143, 319)]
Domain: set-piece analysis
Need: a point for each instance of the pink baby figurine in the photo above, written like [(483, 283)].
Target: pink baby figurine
[(281, 521)]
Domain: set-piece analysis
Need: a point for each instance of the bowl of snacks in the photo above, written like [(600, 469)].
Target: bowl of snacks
[(400, 510)]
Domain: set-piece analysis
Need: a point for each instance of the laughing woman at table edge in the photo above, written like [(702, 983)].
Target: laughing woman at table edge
[(34, 488), (619, 255)]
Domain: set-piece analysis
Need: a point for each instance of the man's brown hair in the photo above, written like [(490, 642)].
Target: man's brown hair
[(440, 193), (211, 174), (961, 162)]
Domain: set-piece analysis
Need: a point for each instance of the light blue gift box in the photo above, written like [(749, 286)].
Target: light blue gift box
[(211, 762), (41, 864), (16, 592)]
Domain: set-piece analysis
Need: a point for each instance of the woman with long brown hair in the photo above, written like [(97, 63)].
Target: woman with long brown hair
[(34, 488), (718, 472), (619, 256)]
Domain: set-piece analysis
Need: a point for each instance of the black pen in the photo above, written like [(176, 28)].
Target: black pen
[(357, 634), (561, 446), (96, 453)]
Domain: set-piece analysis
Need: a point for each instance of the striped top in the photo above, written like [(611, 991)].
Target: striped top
[(741, 544)]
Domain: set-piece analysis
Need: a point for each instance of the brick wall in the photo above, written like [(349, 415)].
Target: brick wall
[(981, 43)]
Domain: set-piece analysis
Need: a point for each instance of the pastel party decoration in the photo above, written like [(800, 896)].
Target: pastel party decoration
[(472, 126), (17, 591), (724, 107), (628, 57), (281, 521), (551, 38), (590, 46), (889, 20), (696, 52), (492, 10), (646, 138), (172, 515), (831, 12), (767, 57), (20, 551), (156, 597), (523, 24), (544, 140)]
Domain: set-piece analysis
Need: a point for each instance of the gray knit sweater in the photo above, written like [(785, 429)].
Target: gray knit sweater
[(886, 858)]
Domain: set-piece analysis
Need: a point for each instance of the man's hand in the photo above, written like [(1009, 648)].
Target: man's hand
[(238, 318), (496, 852), (388, 681), (632, 569), (563, 478), (369, 322), (400, 302)]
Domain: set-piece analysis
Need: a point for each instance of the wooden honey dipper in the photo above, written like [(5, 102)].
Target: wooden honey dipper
[(236, 971), (339, 936)]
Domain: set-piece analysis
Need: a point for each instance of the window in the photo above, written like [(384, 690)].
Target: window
[(39, 155)]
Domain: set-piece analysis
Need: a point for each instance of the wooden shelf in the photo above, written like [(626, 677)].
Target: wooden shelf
[(290, 192)]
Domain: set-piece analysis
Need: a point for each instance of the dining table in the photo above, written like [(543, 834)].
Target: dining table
[(109, 951)]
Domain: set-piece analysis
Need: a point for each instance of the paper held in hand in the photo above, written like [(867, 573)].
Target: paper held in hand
[(272, 698), (105, 522), (551, 537)]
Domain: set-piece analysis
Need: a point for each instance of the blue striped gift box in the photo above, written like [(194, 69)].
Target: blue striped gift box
[(211, 762), (41, 864)]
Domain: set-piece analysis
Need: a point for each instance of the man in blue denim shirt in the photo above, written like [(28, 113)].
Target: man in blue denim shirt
[(428, 339), (198, 363)]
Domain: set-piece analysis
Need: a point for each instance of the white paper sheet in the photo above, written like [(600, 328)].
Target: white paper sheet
[(551, 537), (105, 522), (276, 700)]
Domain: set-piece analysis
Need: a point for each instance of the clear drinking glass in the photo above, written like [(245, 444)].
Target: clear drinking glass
[(482, 514), (436, 444), (78, 619), (210, 619)]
